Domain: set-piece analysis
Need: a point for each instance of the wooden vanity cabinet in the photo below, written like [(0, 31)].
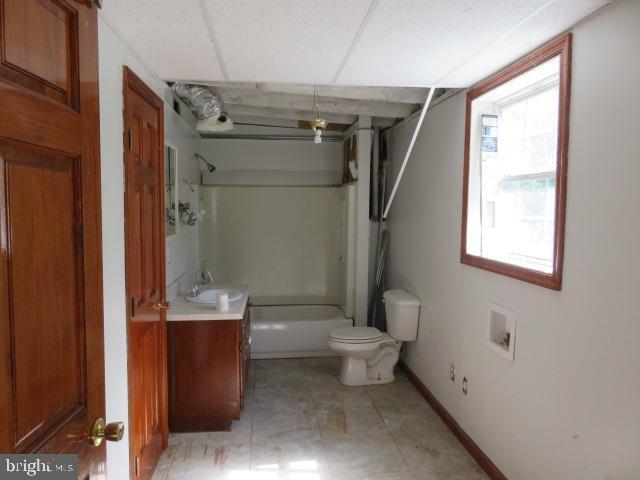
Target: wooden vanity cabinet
[(208, 369)]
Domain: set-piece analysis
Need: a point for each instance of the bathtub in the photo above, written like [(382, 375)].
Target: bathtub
[(288, 331)]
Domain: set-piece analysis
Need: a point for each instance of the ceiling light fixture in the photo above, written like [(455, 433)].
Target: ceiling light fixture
[(317, 124)]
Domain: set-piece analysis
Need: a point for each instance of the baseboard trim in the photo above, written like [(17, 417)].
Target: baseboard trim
[(467, 442)]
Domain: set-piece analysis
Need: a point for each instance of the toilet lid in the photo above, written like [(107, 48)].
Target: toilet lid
[(356, 335)]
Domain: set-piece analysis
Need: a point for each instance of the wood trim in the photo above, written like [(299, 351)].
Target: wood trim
[(561, 46), (135, 83), (467, 442)]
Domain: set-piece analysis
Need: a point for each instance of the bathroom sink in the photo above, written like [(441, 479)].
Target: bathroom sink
[(211, 296)]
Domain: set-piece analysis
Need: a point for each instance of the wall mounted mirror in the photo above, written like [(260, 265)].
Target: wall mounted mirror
[(170, 191)]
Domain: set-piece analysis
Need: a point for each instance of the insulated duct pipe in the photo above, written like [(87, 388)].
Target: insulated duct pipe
[(206, 107)]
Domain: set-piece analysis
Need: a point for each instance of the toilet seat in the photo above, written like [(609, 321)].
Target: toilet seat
[(356, 335)]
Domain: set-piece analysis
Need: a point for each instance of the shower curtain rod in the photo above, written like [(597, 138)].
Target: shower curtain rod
[(423, 113)]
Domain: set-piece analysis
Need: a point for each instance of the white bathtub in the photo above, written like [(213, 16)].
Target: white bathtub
[(294, 330)]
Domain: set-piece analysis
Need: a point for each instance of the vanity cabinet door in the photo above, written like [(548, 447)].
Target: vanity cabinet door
[(204, 375)]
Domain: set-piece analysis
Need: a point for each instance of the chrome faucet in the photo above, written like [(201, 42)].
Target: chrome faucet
[(201, 277)]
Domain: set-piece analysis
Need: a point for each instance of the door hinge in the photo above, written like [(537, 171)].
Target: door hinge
[(130, 140), (136, 466), (133, 306)]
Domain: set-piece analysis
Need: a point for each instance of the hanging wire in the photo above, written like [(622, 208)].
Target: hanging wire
[(315, 101)]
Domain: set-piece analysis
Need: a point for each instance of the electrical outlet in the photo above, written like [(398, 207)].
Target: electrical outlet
[(464, 385), (452, 372)]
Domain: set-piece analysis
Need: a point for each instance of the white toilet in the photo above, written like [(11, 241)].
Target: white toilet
[(368, 355)]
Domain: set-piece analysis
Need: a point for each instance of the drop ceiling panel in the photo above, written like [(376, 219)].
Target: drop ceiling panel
[(170, 36), (285, 40), (417, 42), (447, 43), (547, 23)]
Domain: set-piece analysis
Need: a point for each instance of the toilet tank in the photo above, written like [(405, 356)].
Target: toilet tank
[(403, 310)]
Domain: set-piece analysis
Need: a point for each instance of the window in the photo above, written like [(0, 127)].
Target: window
[(515, 168)]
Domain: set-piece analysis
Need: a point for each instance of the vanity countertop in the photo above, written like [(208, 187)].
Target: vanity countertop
[(183, 310)]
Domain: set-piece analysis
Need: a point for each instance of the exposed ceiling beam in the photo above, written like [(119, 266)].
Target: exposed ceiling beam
[(265, 121), (270, 136), (327, 105), (264, 129), (331, 127), (383, 122), (382, 94), (283, 113), (272, 122)]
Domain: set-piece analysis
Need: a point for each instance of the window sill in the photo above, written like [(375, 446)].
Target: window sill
[(546, 280)]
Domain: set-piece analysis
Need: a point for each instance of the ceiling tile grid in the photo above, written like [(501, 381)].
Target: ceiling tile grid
[(557, 17), (171, 37), (285, 40), (413, 42), (446, 43)]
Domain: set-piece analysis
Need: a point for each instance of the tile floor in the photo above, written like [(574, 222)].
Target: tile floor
[(300, 423)]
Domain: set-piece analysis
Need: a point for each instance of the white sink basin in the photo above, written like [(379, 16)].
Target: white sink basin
[(211, 296)]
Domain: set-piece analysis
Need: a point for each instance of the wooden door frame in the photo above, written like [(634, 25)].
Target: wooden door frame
[(131, 82)]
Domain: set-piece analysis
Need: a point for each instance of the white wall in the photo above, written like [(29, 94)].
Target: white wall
[(113, 55), (293, 155), (182, 249), (569, 407), (282, 241)]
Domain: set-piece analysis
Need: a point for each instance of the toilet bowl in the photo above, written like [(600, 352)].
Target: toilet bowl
[(369, 355)]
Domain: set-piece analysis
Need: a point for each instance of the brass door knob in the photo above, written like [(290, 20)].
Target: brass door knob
[(161, 306), (100, 431)]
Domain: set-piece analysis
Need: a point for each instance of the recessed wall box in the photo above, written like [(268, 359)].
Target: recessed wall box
[(501, 331)]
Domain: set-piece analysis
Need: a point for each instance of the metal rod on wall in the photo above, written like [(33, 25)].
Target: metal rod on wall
[(423, 113)]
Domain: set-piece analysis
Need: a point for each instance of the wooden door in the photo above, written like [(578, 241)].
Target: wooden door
[(144, 149), (51, 316)]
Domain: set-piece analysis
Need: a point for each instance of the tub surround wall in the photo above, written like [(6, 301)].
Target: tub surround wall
[(281, 241), (255, 156), (567, 407)]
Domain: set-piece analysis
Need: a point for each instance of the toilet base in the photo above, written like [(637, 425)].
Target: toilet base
[(373, 371), (353, 372)]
